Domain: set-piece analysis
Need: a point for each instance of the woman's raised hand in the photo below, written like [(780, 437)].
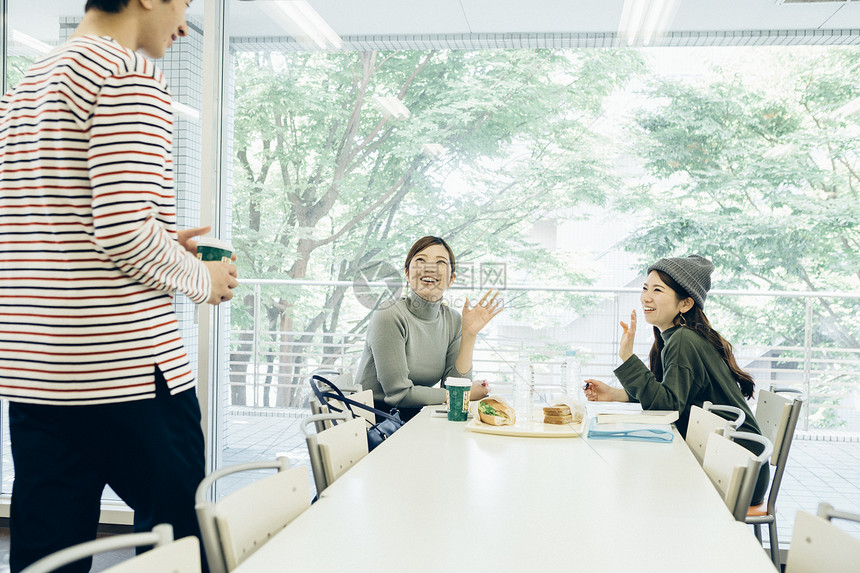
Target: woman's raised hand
[(628, 335), (474, 319)]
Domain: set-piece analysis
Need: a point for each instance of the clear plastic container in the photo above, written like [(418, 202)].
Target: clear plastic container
[(523, 385), (571, 376)]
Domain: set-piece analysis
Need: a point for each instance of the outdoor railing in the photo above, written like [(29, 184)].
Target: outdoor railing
[(268, 367)]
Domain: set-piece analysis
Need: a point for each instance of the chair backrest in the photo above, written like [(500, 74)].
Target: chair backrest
[(364, 397), (702, 424), (344, 381), (329, 374), (777, 418), (772, 412), (333, 451), (739, 415), (819, 546), (237, 525), (182, 556), (733, 469)]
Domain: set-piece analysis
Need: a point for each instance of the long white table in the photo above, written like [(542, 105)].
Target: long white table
[(437, 497)]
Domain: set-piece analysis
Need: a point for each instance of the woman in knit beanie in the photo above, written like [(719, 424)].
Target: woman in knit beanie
[(691, 363)]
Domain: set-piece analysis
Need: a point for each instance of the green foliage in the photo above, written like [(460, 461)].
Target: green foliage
[(326, 182), (761, 174), (752, 165), (16, 67)]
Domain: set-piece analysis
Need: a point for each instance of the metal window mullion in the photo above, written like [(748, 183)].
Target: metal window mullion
[(807, 361), (256, 343), (4, 45)]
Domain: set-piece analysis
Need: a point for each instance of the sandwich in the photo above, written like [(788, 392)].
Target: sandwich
[(496, 413), (557, 414)]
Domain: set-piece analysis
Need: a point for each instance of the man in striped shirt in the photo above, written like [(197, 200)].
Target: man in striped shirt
[(100, 385)]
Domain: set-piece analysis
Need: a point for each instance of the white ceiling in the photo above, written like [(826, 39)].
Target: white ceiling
[(417, 17), (483, 17)]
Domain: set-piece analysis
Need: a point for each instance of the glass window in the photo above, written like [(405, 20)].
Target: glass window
[(557, 175)]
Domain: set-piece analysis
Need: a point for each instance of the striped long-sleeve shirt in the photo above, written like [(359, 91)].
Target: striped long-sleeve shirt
[(89, 259)]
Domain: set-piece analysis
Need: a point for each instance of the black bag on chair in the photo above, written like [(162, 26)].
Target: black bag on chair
[(376, 433)]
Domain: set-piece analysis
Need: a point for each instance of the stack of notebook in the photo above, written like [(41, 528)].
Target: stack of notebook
[(643, 425)]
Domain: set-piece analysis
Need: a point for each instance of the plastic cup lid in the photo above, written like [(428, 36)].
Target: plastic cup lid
[(213, 242)]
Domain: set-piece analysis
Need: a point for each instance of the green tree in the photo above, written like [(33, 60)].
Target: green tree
[(327, 183), (16, 67), (762, 177)]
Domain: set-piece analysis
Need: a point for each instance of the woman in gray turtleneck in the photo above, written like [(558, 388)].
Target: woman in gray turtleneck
[(417, 342)]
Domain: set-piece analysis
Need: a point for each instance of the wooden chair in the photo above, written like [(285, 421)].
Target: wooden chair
[(818, 546), (237, 525), (333, 451), (168, 556), (733, 469), (777, 417), (703, 422)]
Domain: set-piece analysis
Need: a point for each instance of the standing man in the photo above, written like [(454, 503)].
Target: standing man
[(100, 385)]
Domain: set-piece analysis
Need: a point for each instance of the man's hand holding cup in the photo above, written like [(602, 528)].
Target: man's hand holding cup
[(218, 257)]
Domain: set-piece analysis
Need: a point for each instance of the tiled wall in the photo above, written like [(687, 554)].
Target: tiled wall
[(183, 70)]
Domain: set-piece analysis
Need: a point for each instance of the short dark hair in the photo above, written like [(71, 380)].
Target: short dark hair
[(425, 242), (109, 6)]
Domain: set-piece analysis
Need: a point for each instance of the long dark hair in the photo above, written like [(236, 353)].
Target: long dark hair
[(696, 320)]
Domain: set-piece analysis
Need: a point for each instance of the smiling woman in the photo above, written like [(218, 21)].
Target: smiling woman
[(691, 363), (417, 342)]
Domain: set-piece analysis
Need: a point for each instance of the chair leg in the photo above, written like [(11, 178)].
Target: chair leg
[(774, 544), (757, 530)]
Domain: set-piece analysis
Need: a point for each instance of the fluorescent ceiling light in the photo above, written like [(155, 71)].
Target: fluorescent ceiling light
[(303, 23), (30, 41), (642, 21), (186, 110), (391, 106)]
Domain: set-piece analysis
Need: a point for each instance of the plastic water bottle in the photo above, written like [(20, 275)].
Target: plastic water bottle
[(565, 377), (530, 404), (573, 384), (523, 382)]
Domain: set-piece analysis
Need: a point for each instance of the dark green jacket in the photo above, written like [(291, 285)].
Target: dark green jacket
[(693, 373)]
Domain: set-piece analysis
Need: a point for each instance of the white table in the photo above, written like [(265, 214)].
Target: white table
[(437, 497)]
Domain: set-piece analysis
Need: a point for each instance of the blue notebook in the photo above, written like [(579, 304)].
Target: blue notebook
[(628, 431)]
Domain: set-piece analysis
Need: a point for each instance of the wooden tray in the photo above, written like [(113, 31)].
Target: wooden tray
[(528, 428)]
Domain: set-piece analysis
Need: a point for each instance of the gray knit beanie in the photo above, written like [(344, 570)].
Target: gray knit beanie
[(693, 273)]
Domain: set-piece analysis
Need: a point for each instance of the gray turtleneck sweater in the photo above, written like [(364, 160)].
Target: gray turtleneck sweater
[(411, 346)]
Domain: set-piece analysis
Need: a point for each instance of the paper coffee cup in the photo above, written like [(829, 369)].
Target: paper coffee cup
[(212, 249), (458, 390)]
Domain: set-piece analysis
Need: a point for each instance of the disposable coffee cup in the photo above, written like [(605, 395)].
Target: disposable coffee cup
[(212, 249), (458, 390)]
